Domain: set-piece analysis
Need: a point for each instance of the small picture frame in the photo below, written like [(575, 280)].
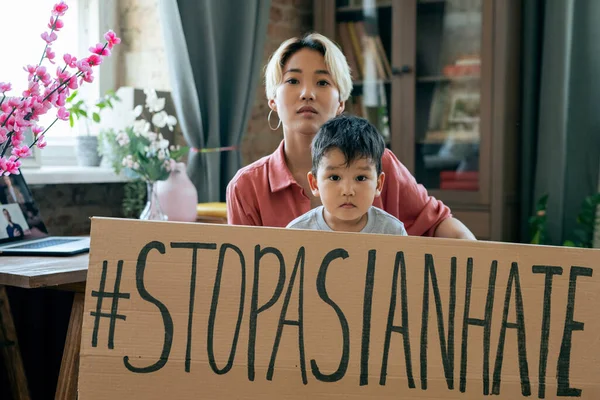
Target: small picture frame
[(464, 108)]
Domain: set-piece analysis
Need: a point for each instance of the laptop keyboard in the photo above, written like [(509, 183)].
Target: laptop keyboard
[(43, 244)]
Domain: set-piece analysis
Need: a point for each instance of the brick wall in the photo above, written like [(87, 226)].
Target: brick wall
[(288, 18), (143, 62)]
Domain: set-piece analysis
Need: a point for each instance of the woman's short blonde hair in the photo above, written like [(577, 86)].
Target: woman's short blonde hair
[(334, 60)]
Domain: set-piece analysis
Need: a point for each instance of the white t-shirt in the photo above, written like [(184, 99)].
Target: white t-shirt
[(378, 221)]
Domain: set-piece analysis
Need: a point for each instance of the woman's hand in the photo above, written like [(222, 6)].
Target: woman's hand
[(453, 229)]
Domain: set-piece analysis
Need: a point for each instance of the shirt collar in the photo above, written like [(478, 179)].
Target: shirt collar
[(280, 176)]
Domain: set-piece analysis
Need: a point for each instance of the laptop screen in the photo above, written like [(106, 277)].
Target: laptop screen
[(19, 215)]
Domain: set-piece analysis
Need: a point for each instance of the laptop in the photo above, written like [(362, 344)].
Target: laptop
[(22, 230)]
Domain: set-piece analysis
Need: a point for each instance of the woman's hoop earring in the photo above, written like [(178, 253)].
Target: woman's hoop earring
[(269, 122)]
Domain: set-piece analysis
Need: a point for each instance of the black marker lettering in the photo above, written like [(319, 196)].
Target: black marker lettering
[(486, 323), (399, 265), (194, 247), (299, 265), (322, 290), (213, 310), (164, 312), (254, 309), (547, 306), (366, 334), (564, 358), (520, 327), (447, 345)]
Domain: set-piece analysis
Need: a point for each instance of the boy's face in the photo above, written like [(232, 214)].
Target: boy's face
[(346, 191)]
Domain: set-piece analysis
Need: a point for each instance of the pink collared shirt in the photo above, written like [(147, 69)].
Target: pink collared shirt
[(264, 193)]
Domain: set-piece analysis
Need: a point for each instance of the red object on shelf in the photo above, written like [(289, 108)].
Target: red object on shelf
[(459, 176), (453, 71), (460, 185)]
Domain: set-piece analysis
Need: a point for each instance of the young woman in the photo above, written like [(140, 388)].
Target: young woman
[(308, 82)]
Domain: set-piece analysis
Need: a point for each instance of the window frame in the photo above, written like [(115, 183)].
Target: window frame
[(95, 18)]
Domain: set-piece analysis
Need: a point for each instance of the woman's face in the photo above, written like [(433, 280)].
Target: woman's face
[(307, 96)]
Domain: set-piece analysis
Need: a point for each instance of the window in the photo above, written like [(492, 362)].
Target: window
[(83, 22)]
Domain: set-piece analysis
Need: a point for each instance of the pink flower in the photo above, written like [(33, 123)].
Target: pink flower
[(36, 129), (21, 152), (14, 102), (83, 66), (87, 77), (42, 75), (111, 38), (50, 54), (94, 59), (70, 60), (61, 99), (31, 69), (5, 87), (62, 75), (55, 23), (100, 50), (73, 83), (60, 9), (3, 134), (49, 38), (62, 114), (33, 88), (9, 166), (16, 138), (41, 143)]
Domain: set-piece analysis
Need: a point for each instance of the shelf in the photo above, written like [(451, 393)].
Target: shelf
[(443, 78), (360, 8), (441, 137), (361, 83)]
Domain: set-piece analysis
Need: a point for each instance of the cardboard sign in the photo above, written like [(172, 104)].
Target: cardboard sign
[(220, 312)]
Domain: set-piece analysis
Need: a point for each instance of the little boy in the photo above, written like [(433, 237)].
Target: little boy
[(346, 175)]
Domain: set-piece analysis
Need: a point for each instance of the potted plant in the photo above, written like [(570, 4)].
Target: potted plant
[(86, 143)]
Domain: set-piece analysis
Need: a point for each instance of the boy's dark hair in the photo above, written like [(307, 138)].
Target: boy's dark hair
[(355, 137)]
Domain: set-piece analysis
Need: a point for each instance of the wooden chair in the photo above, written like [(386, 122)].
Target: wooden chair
[(213, 213)]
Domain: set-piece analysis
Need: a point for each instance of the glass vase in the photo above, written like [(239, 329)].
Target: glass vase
[(153, 211)]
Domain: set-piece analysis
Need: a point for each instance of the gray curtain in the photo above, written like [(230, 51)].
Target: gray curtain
[(214, 50), (560, 141)]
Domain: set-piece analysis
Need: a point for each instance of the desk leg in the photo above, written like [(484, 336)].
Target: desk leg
[(9, 347), (69, 368)]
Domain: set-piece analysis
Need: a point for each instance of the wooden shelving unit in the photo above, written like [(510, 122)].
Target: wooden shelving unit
[(445, 81)]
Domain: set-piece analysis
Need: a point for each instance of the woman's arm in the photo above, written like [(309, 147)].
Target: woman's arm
[(454, 229)]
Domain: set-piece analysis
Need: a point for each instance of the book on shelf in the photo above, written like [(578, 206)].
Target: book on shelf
[(343, 34), (365, 53), (459, 176), (438, 137), (459, 180), (460, 185)]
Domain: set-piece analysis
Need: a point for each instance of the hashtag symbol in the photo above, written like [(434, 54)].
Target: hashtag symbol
[(115, 296)]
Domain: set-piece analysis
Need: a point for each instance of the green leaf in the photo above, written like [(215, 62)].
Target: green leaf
[(82, 113), (96, 117), (72, 96), (71, 122)]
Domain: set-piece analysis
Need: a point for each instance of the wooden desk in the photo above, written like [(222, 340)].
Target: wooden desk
[(63, 273)]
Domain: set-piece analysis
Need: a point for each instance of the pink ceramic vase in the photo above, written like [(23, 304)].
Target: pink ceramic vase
[(178, 196)]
